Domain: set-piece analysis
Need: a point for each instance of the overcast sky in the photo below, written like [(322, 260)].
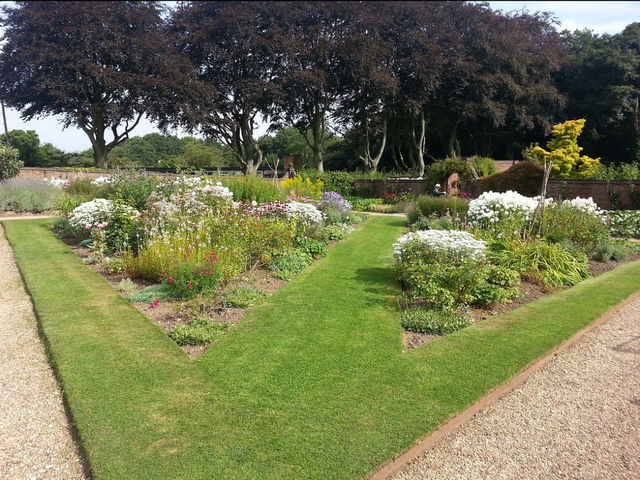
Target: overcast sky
[(601, 17)]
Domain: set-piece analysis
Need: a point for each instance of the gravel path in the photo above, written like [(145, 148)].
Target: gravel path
[(35, 440), (576, 418)]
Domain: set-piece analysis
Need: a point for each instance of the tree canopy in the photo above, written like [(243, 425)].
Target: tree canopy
[(99, 65), (403, 83)]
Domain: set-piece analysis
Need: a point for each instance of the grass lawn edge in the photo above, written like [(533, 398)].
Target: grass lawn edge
[(397, 444), (431, 439)]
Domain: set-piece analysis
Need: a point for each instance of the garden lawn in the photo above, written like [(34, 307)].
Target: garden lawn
[(311, 384)]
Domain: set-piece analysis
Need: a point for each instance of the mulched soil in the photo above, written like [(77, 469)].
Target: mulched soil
[(530, 291)]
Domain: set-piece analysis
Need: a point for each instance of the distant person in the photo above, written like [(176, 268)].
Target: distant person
[(291, 172), (437, 191)]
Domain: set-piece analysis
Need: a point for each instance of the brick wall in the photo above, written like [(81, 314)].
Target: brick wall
[(375, 188), (42, 173), (602, 191)]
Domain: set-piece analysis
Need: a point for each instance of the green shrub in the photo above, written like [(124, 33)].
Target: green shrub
[(390, 207), (67, 202), (363, 204), (487, 294), (126, 285), (188, 279), (583, 229), (440, 171), (342, 182), (251, 187), (286, 264), (243, 297), (624, 223), (484, 166), (314, 247), (428, 206), (10, 164), (197, 332), (27, 195), (437, 322), (622, 171), (115, 265), (133, 189), (441, 283), (502, 276), (548, 263), (446, 222), (62, 228), (603, 252), (83, 187), (152, 293)]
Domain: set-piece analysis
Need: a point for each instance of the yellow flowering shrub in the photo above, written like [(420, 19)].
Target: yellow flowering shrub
[(302, 188), (565, 152)]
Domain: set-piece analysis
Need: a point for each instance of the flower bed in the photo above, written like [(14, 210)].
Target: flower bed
[(191, 242), (507, 249)]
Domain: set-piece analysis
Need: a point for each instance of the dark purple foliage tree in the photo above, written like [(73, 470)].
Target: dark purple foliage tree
[(99, 65), (235, 54)]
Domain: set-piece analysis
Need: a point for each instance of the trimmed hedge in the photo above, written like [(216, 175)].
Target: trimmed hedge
[(523, 177)]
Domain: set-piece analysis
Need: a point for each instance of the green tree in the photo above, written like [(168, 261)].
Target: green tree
[(199, 155), (28, 145), (10, 164), (602, 84)]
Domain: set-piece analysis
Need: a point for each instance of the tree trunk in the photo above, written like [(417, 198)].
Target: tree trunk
[(6, 130), (419, 142), (317, 131), (371, 161), (100, 155), (453, 141), (244, 146)]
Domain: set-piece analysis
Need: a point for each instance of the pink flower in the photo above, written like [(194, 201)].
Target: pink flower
[(88, 227), (170, 279)]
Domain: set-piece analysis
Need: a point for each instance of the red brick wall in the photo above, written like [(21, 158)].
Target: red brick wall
[(600, 190), (375, 188), (42, 173)]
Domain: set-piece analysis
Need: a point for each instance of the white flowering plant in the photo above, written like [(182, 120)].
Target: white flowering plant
[(587, 205), (116, 219), (102, 181), (57, 182), (440, 268), (455, 244), (305, 213)]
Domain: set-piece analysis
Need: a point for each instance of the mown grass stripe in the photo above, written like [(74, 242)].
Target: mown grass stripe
[(312, 384)]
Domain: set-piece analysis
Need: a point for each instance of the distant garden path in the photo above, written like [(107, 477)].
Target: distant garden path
[(575, 418), (35, 441)]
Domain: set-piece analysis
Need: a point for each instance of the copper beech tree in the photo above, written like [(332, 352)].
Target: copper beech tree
[(100, 66)]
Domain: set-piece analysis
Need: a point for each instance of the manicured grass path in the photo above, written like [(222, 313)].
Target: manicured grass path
[(312, 384)]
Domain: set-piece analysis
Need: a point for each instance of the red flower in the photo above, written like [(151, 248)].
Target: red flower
[(155, 303), (170, 279), (190, 286), (195, 271)]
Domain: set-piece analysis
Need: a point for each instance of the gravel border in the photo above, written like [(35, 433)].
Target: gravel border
[(576, 418), (35, 437)]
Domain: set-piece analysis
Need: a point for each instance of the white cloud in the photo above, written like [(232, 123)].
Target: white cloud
[(601, 17)]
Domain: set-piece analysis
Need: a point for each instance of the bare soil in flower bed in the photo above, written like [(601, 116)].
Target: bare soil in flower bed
[(530, 291), (169, 314)]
